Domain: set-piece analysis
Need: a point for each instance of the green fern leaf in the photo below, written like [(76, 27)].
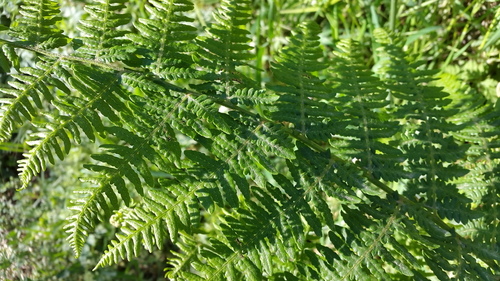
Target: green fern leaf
[(27, 94), (102, 39), (120, 162), (479, 122), (87, 209), (362, 99), (427, 130), (224, 50), (330, 172), (74, 112), (177, 208), (297, 67), (165, 39), (37, 25), (252, 149)]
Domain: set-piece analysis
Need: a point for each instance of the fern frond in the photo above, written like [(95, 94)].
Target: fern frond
[(75, 114), (160, 136), (92, 203), (224, 49), (252, 96), (334, 178), (27, 94), (303, 95), (173, 205), (365, 254), (286, 182), (479, 128), (260, 239), (102, 39), (36, 26), (49, 141), (363, 102), (129, 162), (207, 170), (185, 121), (118, 162), (165, 39), (253, 147), (9, 58), (429, 147)]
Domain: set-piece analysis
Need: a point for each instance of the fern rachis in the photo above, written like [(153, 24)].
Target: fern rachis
[(328, 172)]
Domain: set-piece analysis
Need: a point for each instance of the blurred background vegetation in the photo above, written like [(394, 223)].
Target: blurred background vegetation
[(460, 38)]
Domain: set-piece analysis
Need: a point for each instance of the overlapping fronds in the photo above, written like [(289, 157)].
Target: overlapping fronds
[(364, 103), (330, 172), (166, 211), (260, 240), (109, 189), (303, 97), (428, 142), (72, 114), (478, 120), (258, 142)]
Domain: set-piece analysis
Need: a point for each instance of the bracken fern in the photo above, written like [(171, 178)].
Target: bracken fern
[(330, 171)]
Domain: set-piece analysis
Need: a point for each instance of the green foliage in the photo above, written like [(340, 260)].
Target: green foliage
[(33, 220), (332, 170), (36, 25)]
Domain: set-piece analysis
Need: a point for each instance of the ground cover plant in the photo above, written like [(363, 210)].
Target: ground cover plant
[(260, 140)]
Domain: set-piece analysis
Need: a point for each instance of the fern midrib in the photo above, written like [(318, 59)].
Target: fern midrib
[(29, 88), (39, 22), (300, 70), (24, 177), (228, 68), (421, 102), (377, 241), (433, 169), (102, 33), (460, 260), (128, 69), (164, 38), (432, 176), (366, 129), (115, 66)]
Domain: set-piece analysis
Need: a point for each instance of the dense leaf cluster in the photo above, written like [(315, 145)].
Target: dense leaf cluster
[(328, 172)]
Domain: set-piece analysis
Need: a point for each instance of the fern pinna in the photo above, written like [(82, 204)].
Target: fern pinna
[(328, 172)]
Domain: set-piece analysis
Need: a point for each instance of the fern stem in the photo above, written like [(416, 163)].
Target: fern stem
[(114, 66)]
